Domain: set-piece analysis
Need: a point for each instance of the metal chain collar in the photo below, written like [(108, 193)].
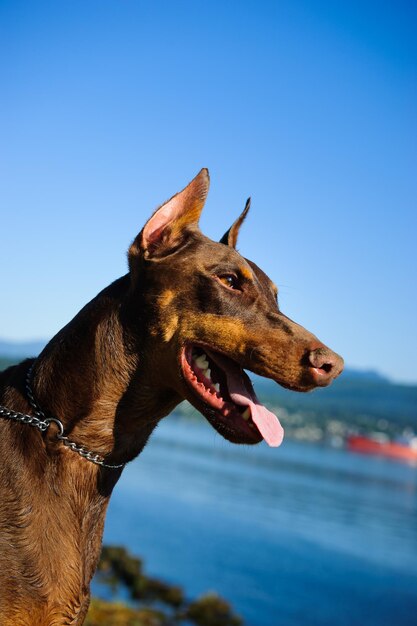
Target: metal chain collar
[(42, 423)]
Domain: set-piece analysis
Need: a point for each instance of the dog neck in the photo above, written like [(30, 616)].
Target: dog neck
[(91, 378)]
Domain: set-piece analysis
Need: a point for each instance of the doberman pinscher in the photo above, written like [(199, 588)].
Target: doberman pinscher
[(184, 322)]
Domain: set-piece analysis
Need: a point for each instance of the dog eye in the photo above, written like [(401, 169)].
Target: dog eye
[(229, 280)]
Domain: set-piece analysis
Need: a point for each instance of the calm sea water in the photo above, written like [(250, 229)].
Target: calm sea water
[(298, 535)]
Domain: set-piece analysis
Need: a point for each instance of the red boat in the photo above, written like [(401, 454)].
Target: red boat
[(380, 444)]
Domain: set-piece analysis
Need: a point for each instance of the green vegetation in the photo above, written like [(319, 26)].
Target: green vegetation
[(151, 602), (102, 613), (7, 362)]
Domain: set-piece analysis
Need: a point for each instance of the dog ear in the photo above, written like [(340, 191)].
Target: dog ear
[(230, 237), (166, 230)]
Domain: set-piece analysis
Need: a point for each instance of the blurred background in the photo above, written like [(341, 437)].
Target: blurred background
[(110, 107)]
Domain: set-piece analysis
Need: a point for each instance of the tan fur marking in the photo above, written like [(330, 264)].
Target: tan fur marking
[(246, 273), (228, 334), (171, 327), (166, 297)]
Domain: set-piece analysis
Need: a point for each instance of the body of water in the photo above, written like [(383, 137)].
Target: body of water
[(294, 536)]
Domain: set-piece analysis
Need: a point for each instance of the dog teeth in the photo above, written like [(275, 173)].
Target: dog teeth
[(217, 387), (246, 414), (202, 362)]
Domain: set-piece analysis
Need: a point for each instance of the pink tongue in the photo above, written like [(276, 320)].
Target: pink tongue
[(268, 424), (242, 393)]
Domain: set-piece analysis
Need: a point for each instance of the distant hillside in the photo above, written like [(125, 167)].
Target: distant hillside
[(352, 392), (13, 352), (365, 401), (6, 362), (21, 349)]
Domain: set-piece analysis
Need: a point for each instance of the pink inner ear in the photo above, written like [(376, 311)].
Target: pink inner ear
[(170, 219), (158, 222)]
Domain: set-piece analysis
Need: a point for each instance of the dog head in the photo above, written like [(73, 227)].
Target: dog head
[(210, 314)]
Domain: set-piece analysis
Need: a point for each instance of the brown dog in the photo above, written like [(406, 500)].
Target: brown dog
[(183, 323)]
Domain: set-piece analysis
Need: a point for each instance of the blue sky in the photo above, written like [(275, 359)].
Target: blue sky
[(109, 107)]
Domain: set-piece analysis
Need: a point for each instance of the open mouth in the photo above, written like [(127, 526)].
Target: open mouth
[(224, 394)]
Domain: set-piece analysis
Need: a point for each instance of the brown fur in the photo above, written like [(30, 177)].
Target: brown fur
[(110, 375)]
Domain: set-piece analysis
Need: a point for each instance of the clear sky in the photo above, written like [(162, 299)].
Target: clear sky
[(108, 107)]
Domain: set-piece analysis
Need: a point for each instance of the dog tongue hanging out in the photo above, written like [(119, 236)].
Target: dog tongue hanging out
[(218, 313)]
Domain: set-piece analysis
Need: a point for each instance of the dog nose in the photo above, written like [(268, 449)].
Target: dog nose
[(325, 365)]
